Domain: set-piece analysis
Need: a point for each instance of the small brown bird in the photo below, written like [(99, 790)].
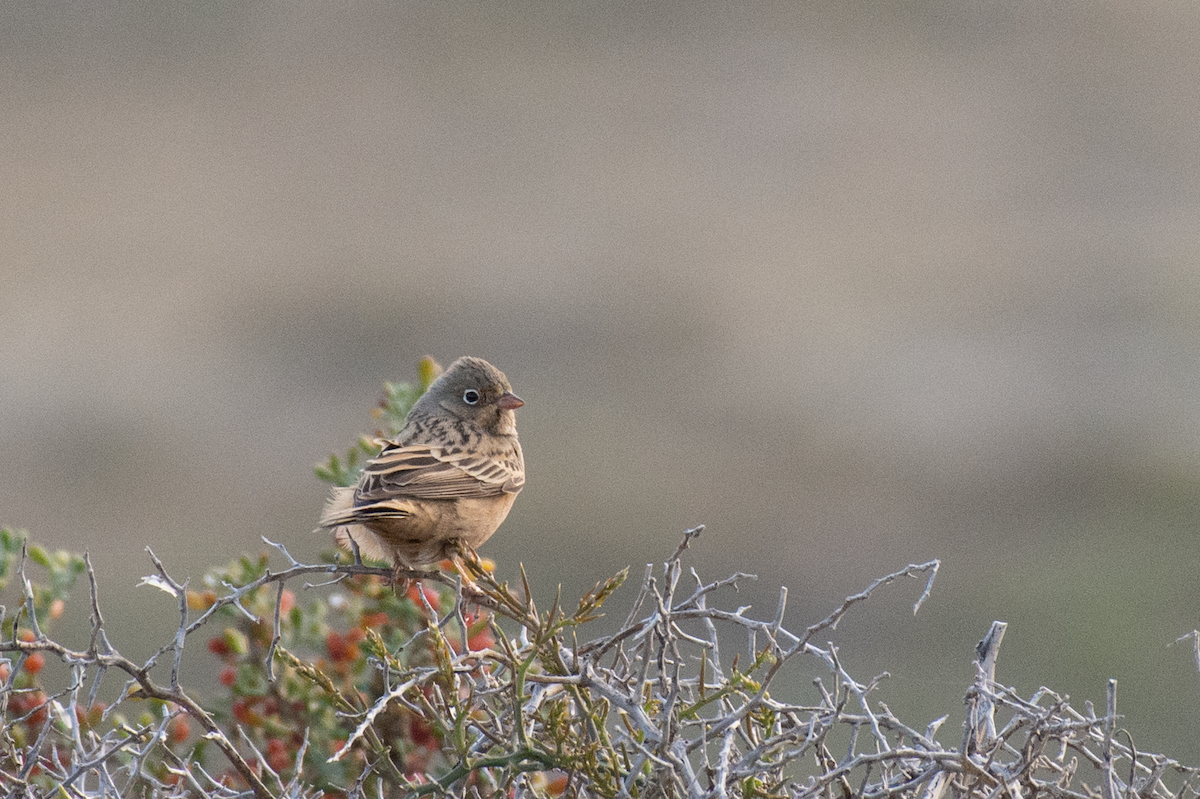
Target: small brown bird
[(446, 481)]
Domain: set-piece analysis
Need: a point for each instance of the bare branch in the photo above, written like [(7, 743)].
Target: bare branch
[(653, 710)]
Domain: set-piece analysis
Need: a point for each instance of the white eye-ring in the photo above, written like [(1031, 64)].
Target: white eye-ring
[(470, 396)]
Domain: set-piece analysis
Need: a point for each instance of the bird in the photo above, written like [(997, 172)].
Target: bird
[(445, 482)]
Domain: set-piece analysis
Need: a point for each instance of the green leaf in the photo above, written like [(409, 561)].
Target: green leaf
[(39, 556), (590, 604), (428, 371)]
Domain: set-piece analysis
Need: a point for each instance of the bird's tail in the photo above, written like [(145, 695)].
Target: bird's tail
[(339, 508), (340, 514)]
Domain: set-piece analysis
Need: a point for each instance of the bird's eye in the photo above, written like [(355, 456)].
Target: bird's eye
[(470, 396)]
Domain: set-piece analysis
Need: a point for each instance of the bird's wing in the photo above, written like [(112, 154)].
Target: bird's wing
[(340, 509), (423, 471)]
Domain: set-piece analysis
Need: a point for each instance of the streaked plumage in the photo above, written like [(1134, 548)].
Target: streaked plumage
[(451, 475)]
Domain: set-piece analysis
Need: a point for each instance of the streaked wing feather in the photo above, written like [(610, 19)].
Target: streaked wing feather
[(421, 471)]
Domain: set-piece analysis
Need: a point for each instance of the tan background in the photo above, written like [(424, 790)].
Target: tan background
[(853, 284)]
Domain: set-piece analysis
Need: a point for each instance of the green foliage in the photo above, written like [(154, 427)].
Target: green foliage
[(374, 684), (427, 688), (48, 598), (322, 672)]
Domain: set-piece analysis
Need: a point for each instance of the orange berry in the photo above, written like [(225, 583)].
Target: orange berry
[(179, 729), (35, 702), (287, 601), (416, 589), (228, 676), (201, 600), (56, 608), (340, 649), (35, 662), (377, 619), (482, 639)]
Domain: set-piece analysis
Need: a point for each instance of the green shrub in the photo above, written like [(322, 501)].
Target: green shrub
[(443, 686)]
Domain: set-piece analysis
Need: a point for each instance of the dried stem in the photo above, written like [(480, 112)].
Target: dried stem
[(655, 709)]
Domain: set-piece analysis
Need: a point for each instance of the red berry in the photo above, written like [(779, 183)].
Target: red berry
[(179, 729), (243, 711), (278, 757), (34, 704), (421, 733), (377, 619), (431, 595), (340, 649), (483, 639)]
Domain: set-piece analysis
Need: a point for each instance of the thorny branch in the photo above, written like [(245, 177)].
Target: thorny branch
[(658, 708)]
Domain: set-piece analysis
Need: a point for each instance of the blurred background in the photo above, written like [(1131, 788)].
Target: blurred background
[(853, 284)]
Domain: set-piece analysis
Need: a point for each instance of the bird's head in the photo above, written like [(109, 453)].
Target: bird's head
[(474, 390)]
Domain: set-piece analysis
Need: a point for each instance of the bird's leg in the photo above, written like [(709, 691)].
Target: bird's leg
[(460, 557), (400, 577)]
